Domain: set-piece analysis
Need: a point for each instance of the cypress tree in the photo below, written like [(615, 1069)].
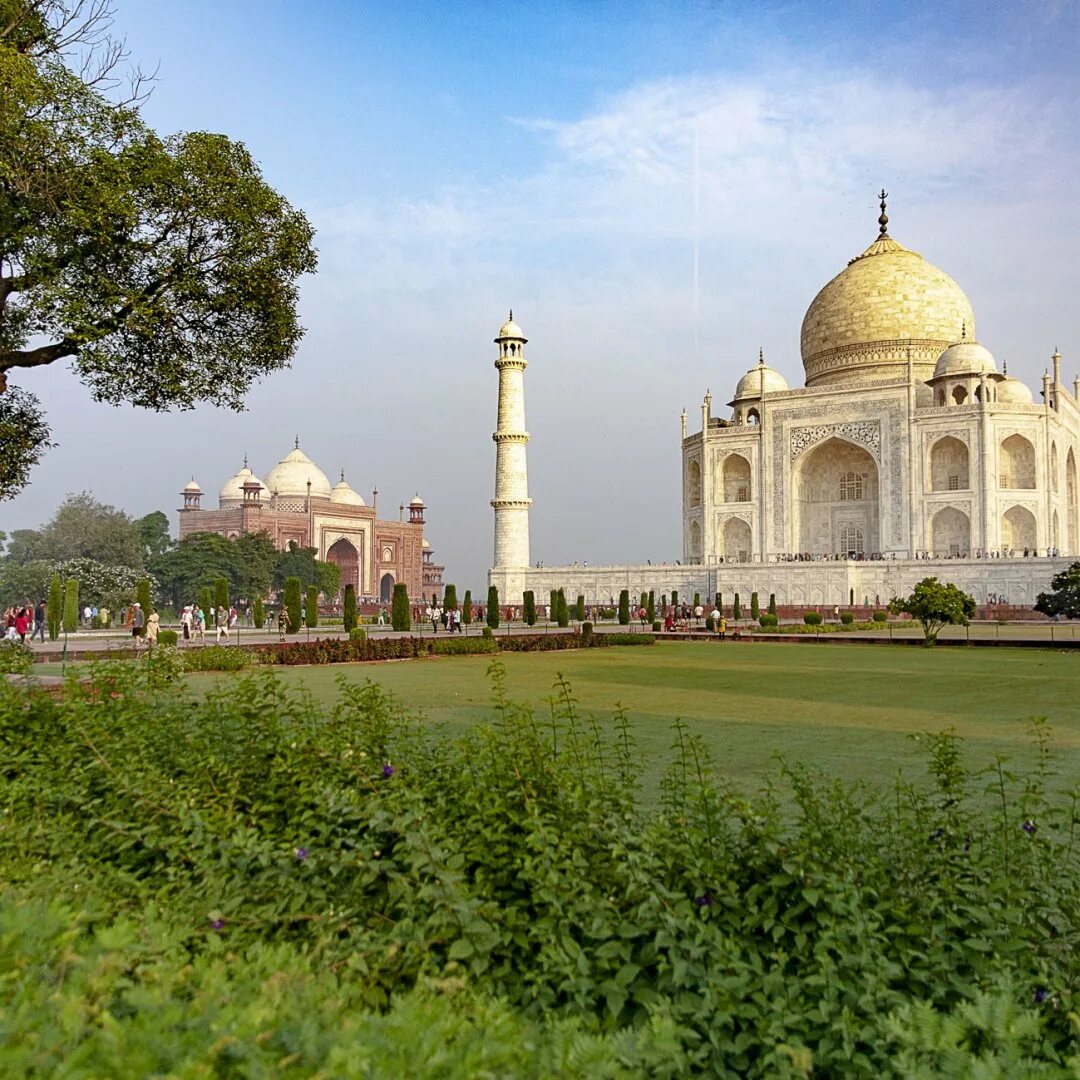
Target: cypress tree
[(736, 608), (674, 597), (292, 603), (54, 611), (221, 596), (466, 608), (562, 611), (142, 594), (400, 617), (71, 606), (450, 597), (624, 607), (644, 600), (258, 613), (697, 599), (528, 607), (579, 608), (772, 603), (206, 602), (493, 607), (663, 603), (311, 608), (650, 608), (553, 606), (348, 609), (755, 607)]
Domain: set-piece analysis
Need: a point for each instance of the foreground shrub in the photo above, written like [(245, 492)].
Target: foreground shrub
[(812, 618), (168, 637), (400, 615), (71, 606), (16, 658), (348, 609), (358, 633), (492, 613), (216, 658), (311, 607), (464, 646), (258, 613), (265, 880), (291, 600)]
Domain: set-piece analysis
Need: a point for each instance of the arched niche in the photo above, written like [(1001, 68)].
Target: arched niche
[(736, 479), (1016, 465), (959, 394), (1018, 529), (386, 588), (1071, 509), (949, 470), (695, 540), (836, 486), (693, 483), (950, 532), (344, 554), (1053, 467), (737, 540)]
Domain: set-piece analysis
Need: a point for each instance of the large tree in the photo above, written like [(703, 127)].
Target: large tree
[(935, 604), (1064, 599), (162, 269), (247, 564)]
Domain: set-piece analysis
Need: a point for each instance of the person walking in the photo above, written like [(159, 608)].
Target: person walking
[(39, 621), (282, 622), (222, 624), (185, 622), (153, 625), (436, 615), (200, 624), (22, 622), (138, 621)]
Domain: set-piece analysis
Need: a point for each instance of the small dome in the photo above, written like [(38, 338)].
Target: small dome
[(233, 488), (425, 545), (289, 477), (760, 378), (192, 488), (965, 358), (510, 329), (1013, 391), (344, 495), (416, 501)]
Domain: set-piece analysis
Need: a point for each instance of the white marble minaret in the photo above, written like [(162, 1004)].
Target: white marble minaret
[(511, 500)]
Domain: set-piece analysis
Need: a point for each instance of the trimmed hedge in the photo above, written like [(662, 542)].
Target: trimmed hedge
[(847, 618), (812, 618), (217, 658), (767, 619), (881, 616), (167, 637)]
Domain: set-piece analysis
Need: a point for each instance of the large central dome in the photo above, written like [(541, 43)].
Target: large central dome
[(888, 302)]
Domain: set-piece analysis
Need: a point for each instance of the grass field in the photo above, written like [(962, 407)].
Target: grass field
[(846, 710)]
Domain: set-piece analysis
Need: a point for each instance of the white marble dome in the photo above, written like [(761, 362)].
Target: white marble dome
[(760, 378), (289, 477), (965, 358), (510, 329), (192, 487), (1014, 392), (232, 491), (344, 495)]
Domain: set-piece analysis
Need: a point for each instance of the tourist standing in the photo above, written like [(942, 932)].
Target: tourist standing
[(435, 616), (138, 621), (222, 624), (282, 623), (153, 625), (22, 622), (39, 621), (200, 624), (185, 622)]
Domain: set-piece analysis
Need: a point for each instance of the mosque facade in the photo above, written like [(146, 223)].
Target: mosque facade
[(907, 453), (297, 505)]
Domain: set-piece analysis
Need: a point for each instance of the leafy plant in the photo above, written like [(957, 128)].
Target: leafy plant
[(54, 608), (847, 618), (16, 658), (881, 616), (812, 618), (71, 606), (311, 607), (528, 607), (292, 602), (579, 608), (755, 609), (562, 610), (466, 608), (168, 637), (624, 607), (935, 604), (400, 616), (772, 603), (1064, 597), (736, 609), (348, 609), (767, 618), (450, 597), (492, 613)]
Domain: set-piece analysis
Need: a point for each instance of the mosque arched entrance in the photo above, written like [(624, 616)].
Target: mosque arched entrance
[(386, 588), (950, 533), (836, 501), (1018, 529), (347, 559), (737, 540)]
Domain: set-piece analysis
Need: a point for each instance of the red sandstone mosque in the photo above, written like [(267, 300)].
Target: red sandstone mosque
[(297, 505)]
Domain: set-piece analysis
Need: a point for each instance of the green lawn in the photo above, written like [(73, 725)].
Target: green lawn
[(843, 708)]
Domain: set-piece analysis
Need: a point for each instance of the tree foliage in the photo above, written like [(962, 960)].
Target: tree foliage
[(400, 616), (348, 610), (466, 608), (154, 535), (562, 614), (528, 607), (163, 269), (1064, 597), (71, 606), (258, 613), (55, 609), (248, 564), (311, 607), (624, 607), (81, 528), (450, 597), (292, 603), (492, 614), (935, 604)]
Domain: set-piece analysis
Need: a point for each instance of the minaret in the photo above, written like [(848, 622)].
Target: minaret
[(511, 500)]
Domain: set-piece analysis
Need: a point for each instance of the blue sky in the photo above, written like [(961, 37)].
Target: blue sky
[(458, 159)]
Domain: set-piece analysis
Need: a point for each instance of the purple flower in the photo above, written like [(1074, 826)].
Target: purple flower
[(301, 853), (388, 770), (704, 900), (1029, 827), (1040, 995), (217, 924)]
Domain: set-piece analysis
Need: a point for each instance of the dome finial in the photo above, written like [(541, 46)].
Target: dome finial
[(761, 356), (343, 476), (245, 461), (511, 319), (1004, 367), (296, 442), (883, 220), (963, 330)]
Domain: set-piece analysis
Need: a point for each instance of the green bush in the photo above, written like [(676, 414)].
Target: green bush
[(216, 658), (358, 633), (847, 618), (16, 658), (142, 595), (221, 595), (624, 607), (400, 615), (697, 600), (492, 614), (466, 608), (586, 632), (710, 623), (464, 646), (674, 597), (657, 626), (772, 603), (348, 609), (563, 616), (487, 632), (767, 618), (579, 608), (292, 602), (755, 607), (258, 613), (71, 606), (528, 607), (880, 616), (168, 637), (812, 618), (311, 607), (55, 608), (718, 602), (450, 597), (164, 664), (650, 607), (736, 608), (206, 602), (553, 605)]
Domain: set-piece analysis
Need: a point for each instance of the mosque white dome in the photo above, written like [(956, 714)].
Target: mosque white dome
[(965, 358), (289, 477), (417, 501), (510, 329), (759, 379), (192, 487), (344, 495), (1014, 392), (233, 488)]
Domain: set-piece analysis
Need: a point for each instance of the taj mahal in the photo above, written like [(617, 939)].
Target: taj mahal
[(907, 453)]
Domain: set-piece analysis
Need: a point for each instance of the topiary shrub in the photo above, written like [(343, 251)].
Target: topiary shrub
[(579, 608), (657, 626), (553, 605), (142, 595), (206, 602), (650, 608), (736, 608), (258, 613), (311, 607), (674, 597), (710, 623), (55, 608), (358, 633), (767, 618), (697, 599), (216, 658), (167, 637), (755, 607), (624, 607), (348, 609), (400, 616), (563, 617), (450, 597), (586, 631), (881, 616), (221, 594), (466, 608), (772, 603), (292, 603), (491, 616), (812, 618), (487, 632), (847, 618), (528, 607)]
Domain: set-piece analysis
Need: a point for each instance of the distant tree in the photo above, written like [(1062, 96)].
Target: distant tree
[(493, 607), (935, 604), (82, 528), (643, 600), (1064, 597), (291, 598), (553, 605), (755, 607), (101, 584), (258, 613), (579, 608), (154, 535), (450, 597), (736, 609), (466, 608), (221, 596), (348, 609), (311, 607), (247, 563), (54, 612), (206, 602), (674, 597), (528, 607), (142, 595), (563, 612), (624, 607), (772, 603), (697, 600), (71, 606), (26, 581), (650, 608), (400, 616)]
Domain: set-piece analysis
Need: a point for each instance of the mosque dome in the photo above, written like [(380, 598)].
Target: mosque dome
[(1014, 392), (232, 491), (965, 358), (344, 495), (887, 304), (510, 329), (758, 380), (192, 487), (425, 545), (289, 477)]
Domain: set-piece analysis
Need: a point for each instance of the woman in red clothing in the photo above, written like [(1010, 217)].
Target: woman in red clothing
[(22, 622)]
